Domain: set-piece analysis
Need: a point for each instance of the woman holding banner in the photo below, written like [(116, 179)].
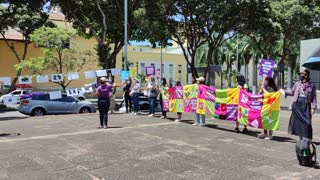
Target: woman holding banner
[(152, 89), (135, 93), (304, 105), (243, 85), (164, 84), (268, 86), (103, 93), (200, 80), (179, 114)]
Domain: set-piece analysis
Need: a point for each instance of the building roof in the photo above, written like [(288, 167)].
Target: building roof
[(13, 36), (57, 16)]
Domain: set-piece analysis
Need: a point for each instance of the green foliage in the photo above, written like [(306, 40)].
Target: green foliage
[(56, 56), (103, 20)]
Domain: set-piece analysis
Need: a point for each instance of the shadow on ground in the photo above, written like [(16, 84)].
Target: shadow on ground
[(9, 134), (12, 118)]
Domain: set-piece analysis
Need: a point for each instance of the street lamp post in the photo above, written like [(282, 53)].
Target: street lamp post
[(125, 51)]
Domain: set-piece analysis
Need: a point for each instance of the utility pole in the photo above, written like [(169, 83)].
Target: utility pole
[(237, 61), (125, 51)]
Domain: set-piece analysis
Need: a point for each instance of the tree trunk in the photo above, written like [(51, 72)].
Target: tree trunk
[(290, 74), (14, 81), (103, 55)]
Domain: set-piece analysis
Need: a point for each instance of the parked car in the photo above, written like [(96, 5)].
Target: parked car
[(16, 93), (40, 105)]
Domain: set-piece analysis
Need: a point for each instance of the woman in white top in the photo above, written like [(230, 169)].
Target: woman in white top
[(135, 91), (152, 88)]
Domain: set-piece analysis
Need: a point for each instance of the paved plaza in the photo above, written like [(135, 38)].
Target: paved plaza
[(140, 147)]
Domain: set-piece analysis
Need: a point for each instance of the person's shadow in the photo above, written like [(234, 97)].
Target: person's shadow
[(9, 134)]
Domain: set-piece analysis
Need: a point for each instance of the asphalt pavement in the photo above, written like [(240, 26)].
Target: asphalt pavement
[(141, 147)]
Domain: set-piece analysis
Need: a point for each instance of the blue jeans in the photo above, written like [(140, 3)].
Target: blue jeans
[(135, 102), (203, 118), (103, 105), (152, 104)]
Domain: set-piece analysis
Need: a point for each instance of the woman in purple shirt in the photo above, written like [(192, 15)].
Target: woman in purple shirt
[(304, 105), (103, 93)]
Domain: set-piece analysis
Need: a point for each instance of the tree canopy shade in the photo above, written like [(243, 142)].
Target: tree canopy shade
[(196, 22), (57, 56), (103, 20), (24, 17)]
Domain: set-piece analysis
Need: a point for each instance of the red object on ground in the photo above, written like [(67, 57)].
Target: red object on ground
[(23, 86)]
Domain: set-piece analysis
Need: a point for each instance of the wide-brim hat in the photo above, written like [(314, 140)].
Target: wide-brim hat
[(201, 79)]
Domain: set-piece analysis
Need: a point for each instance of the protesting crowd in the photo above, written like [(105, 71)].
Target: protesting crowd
[(303, 92)]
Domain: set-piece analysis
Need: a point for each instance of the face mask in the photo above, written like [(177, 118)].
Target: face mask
[(265, 83), (302, 78)]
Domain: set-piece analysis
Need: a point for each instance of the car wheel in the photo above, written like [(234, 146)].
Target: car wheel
[(81, 99), (85, 110), (38, 112)]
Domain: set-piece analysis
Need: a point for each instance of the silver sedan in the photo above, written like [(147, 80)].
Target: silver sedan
[(41, 105)]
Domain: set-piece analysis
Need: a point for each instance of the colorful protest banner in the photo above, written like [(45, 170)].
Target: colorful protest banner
[(226, 103), (260, 111), (133, 72), (165, 99), (206, 99), (176, 99), (190, 97), (124, 75)]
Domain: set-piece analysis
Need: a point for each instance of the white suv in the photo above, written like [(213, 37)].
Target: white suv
[(16, 93)]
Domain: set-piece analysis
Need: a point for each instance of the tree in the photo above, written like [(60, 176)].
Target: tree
[(103, 20), (23, 17), (57, 56)]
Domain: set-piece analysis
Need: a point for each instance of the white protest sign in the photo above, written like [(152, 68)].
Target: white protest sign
[(55, 95), (87, 89), (89, 74), (42, 79), (72, 92), (101, 73), (25, 79), (6, 80), (56, 77), (73, 76)]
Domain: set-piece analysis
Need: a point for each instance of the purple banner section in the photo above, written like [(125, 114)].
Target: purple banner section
[(232, 112)]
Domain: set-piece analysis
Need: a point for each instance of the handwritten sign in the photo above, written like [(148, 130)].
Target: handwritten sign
[(150, 70), (266, 67)]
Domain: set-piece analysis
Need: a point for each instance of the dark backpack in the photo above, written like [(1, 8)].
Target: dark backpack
[(305, 156)]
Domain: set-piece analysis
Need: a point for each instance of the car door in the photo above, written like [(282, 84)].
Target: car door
[(16, 94), (67, 104)]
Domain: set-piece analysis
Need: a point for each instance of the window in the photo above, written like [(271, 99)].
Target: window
[(170, 68), (179, 68), (171, 82), (16, 93), (162, 68), (142, 69)]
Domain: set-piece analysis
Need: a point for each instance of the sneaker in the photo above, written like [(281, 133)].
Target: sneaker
[(269, 137), (262, 136), (237, 130), (245, 130), (177, 120), (105, 127), (195, 124), (134, 114), (162, 117), (151, 115), (202, 125)]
